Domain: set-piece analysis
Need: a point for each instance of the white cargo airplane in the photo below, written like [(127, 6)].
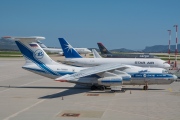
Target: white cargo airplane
[(60, 51), (73, 58), (98, 77)]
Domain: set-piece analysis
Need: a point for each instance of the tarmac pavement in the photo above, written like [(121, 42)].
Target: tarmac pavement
[(26, 96)]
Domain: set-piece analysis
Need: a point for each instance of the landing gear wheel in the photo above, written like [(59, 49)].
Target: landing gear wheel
[(122, 90), (93, 87), (102, 88), (145, 87), (113, 91)]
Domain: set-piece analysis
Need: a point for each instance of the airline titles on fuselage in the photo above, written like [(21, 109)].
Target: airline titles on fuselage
[(143, 62)]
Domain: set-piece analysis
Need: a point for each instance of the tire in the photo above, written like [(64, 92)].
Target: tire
[(93, 87), (144, 88), (102, 88), (123, 90), (113, 91)]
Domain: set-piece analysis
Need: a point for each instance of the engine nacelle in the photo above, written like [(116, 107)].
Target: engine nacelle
[(110, 81), (126, 77)]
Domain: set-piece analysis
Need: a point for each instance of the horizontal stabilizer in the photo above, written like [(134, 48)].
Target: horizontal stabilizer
[(31, 38)]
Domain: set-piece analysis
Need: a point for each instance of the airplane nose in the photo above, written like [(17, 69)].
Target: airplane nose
[(175, 77), (167, 65)]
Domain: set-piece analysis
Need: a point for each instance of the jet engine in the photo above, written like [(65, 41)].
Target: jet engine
[(125, 76), (110, 81)]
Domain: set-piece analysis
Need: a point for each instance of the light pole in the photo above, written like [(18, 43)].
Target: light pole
[(176, 51), (169, 44)]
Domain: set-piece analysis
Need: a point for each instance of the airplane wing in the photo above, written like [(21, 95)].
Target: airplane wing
[(91, 71)]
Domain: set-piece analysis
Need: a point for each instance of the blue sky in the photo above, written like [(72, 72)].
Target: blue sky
[(131, 24)]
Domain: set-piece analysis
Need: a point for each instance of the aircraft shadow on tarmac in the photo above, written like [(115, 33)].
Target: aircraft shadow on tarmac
[(141, 89), (71, 90), (74, 87), (41, 87), (86, 90), (64, 93)]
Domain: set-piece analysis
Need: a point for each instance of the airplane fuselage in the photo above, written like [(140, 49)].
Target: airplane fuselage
[(139, 75), (52, 50), (127, 56), (89, 62)]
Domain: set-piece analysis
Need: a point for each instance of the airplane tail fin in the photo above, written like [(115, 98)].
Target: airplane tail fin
[(69, 51), (41, 44), (103, 49), (96, 54), (32, 51)]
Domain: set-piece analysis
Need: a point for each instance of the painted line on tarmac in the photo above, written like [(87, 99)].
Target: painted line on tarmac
[(7, 77), (133, 114), (20, 86), (114, 99), (25, 109), (107, 109), (15, 114)]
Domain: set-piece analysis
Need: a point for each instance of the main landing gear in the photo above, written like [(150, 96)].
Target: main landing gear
[(94, 87), (102, 88), (120, 91)]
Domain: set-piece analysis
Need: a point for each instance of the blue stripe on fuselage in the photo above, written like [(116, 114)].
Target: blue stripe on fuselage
[(150, 75), (37, 70), (61, 73), (111, 81), (126, 78)]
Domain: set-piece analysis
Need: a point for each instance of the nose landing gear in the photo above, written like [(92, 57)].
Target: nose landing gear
[(93, 87), (145, 87)]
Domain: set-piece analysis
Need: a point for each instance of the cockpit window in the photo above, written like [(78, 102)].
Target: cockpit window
[(165, 63)]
